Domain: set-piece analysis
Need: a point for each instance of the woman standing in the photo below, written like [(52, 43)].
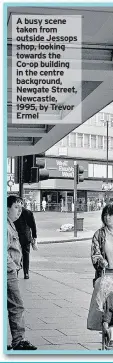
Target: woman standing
[(102, 259)]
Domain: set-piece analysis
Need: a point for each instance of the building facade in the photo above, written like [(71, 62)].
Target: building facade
[(88, 146)]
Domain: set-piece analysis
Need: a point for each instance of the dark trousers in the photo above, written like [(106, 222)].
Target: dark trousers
[(15, 309), (25, 254)]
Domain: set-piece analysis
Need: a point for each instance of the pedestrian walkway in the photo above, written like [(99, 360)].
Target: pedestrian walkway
[(56, 301)]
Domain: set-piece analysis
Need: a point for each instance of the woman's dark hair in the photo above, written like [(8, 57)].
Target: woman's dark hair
[(13, 199), (107, 210)]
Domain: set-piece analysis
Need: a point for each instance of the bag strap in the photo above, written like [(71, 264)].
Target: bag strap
[(103, 271)]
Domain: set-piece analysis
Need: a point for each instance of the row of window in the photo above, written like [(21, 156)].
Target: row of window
[(99, 171), (86, 141), (101, 119)]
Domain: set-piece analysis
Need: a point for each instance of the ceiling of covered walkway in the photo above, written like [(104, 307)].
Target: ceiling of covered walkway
[(97, 79)]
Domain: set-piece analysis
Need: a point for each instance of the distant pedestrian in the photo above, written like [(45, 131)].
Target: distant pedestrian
[(72, 207), (88, 205), (43, 205), (80, 204), (26, 228), (14, 301)]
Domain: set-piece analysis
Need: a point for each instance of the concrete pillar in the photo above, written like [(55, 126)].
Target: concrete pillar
[(66, 205), (85, 201), (37, 197)]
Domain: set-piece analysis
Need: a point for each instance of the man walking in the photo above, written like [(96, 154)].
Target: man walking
[(43, 205), (14, 300), (26, 228)]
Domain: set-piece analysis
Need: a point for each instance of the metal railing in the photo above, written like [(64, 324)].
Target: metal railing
[(57, 207)]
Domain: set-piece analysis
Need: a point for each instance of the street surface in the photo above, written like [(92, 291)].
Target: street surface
[(49, 222), (57, 298)]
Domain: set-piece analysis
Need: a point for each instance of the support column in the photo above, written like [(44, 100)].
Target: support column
[(66, 205), (21, 176), (85, 193), (37, 195)]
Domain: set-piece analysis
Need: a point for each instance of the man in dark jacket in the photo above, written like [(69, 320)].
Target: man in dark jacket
[(26, 228), (14, 301)]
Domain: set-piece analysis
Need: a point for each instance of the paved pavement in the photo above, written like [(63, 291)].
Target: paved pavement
[(57, 298)]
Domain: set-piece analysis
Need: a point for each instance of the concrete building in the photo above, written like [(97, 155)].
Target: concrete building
[(88, 145)]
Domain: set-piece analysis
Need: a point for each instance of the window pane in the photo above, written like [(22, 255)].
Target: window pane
[(65, 141), (9, 165), (101, 119), (93, 120), (86, 140), (13, 165), (111, 118), (93, 141), (62, 151), (111, 143), (100, 142), (59, 143), (90, 170), (101, 115), (109, 171), (80, 140), (105, 143), (106, 116), (73, 139), (99, 171)]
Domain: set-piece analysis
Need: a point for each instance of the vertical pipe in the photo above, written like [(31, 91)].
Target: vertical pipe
[(107, 166), (75, 199), (21, 176), (107, 155)]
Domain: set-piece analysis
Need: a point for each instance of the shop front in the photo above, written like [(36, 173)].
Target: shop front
[(63, 200)]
